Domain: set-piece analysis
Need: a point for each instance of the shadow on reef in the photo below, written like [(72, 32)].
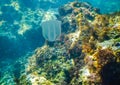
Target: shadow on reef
[(12, 47), (110, 74)]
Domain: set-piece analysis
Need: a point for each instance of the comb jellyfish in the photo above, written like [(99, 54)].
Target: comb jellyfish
[(51, 30)]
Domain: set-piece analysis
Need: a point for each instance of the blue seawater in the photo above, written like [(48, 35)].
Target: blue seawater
[(105, 7), (20, 31)]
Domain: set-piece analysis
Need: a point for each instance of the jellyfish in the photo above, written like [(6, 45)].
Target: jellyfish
[(51, 30)]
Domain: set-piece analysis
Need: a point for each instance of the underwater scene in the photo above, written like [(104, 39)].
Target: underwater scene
[(59, 42)]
